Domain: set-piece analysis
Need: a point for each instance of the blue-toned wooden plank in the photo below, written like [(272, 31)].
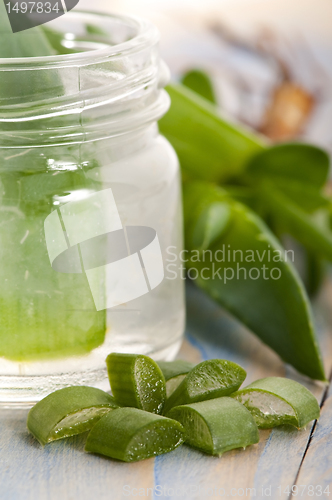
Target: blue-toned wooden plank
[(280, 460), (189, 474), (316, 470), (60, 470)]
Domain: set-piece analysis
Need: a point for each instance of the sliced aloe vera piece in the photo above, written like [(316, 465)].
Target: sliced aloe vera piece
[(174, 372), (210, 379), (201, 136), (277, 401), (67, 412), (217, 425), (137, 381), (130, 435)]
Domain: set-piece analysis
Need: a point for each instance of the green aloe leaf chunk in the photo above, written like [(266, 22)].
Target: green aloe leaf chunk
[(34, 310), (67, 412), (174, 372), (137, 381), (277, 401), (216, 426), (210, 379), (271, 300), (200, 82), (209, 148), (129, 434), (59, 40)]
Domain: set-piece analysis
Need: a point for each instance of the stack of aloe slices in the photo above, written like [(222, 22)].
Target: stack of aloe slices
[(203, 407)]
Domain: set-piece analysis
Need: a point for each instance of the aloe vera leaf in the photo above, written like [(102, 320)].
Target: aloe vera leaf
[(304, 163), (174, 372), (200, 82), (67, 412), (312, 230), (314, 273), (308, 198), (29, 43), (57, 41), (295, 174), (129, 434), (210, 379), (21, 87), (209, 147), (217, 425), (289, 179), (92, 29), (211, 223), (136, 380), (276, 310), (275, 401)]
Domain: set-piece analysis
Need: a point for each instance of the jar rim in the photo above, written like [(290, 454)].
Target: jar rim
[(146, 34), (105, 91)]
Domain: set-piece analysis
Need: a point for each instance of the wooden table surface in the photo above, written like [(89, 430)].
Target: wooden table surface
[(284, 456)]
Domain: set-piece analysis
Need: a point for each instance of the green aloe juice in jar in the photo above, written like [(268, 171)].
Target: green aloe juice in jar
[(90, 205)]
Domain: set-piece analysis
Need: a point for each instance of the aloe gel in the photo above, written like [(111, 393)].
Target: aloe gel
[(45, 314), (275, 401), (69, 411)]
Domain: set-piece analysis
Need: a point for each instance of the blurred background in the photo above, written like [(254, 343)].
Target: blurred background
[(270, 60)]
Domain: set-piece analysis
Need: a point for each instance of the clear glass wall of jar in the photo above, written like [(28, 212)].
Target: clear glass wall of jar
[(90, 208)]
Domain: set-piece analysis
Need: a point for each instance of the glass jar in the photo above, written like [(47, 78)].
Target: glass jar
[(90, 206)]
